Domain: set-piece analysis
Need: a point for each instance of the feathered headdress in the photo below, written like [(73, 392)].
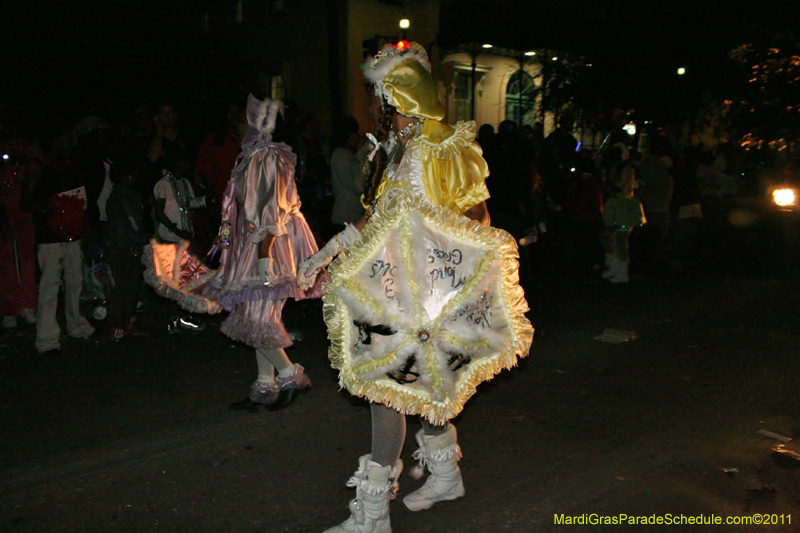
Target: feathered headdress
[(402, 77)]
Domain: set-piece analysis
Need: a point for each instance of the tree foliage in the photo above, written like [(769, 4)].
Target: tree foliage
[(568, 88), (764, 112)]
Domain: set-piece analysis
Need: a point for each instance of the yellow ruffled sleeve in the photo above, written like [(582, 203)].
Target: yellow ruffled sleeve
[(453, 168)]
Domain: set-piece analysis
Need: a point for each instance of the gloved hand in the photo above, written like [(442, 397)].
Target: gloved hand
[(266, 270), (310, 267)]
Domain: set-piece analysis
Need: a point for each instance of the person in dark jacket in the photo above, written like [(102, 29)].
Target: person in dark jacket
[(125, 238)]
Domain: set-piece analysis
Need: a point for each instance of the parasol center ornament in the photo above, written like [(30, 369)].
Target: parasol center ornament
[(435, 337), (424, 335)]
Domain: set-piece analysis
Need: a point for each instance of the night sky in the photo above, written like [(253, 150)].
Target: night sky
[(73, 56), (94, 56)]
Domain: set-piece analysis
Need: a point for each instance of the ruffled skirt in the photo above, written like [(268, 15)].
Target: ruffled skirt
[(175, 273), (237, 280), (258, 324)]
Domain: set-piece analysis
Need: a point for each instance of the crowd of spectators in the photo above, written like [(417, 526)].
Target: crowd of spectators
[(79, 202), (550, 191)]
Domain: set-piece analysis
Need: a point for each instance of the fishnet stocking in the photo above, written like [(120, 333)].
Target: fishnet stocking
[(388, 434)]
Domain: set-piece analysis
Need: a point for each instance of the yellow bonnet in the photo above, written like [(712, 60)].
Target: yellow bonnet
[(403, 79)]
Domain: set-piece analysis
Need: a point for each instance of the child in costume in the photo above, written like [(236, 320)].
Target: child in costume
[(263, 236), (621, 213), (424, 301)]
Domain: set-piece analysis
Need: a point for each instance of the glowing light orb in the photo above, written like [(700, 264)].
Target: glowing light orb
[(784, 197)]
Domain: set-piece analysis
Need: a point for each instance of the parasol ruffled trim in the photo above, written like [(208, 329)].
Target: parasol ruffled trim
[(403, 398)]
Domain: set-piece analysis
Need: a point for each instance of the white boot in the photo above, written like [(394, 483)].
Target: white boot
[(375, 486), (622, 272), (440, 454), (611, 266)]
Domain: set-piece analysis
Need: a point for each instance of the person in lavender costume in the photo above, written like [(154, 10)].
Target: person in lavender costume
[(264, 237)]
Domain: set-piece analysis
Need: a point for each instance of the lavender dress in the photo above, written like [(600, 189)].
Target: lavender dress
[(261, 199)]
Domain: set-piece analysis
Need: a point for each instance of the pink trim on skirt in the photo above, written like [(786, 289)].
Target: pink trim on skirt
[(258, 324)]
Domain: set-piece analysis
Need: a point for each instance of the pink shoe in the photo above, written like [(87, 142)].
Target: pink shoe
[(261, 394), (264, 393), (297, 380), (290, 387)]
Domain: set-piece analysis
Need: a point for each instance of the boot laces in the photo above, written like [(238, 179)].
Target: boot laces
[(426, 459), (360, 481), (357, 514), (356, 479), (362, 484)]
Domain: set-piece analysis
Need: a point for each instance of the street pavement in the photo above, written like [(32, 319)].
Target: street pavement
[(136, 435)]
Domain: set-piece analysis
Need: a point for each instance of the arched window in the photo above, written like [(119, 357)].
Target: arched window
[(462, 96), (520, 98)]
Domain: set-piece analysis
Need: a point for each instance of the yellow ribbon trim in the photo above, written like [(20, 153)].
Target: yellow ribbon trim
[(411, 400)]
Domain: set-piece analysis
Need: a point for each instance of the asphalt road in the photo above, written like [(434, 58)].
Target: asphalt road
[(136, 435)]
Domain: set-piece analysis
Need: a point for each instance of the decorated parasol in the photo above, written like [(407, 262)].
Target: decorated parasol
[(423, 307)]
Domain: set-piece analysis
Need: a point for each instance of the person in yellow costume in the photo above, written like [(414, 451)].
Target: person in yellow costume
[(437, 170)]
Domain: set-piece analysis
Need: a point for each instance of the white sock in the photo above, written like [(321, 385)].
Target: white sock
[(266, 378), (286, 372)]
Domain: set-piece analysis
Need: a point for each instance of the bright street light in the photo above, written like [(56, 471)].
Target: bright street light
[(681, 71), (405, 24)]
